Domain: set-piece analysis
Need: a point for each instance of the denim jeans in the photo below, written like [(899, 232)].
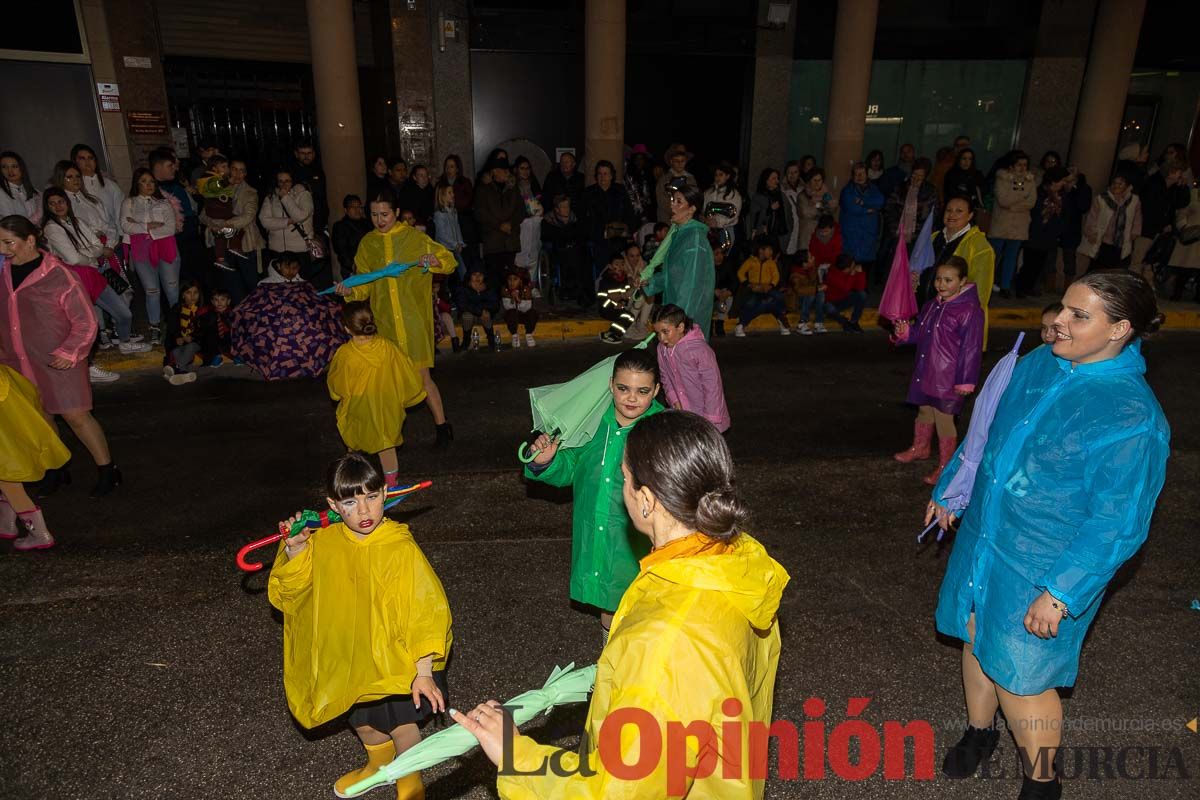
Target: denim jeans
[(163, 277), (183, 356), (759, 303), (116, 307), (857, 300), (816, 301), (1007, 251)]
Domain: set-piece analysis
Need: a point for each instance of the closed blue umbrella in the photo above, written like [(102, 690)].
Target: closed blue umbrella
[(922, 257), (390, 271), (957, 495)]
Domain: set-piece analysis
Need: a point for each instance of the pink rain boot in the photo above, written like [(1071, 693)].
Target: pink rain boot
[(945, 451), (8, 521), (922, 437), (37, 534)]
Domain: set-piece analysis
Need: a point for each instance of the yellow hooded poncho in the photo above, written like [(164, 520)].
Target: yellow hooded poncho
[(403, 306), (697, 627), (28, 444), (357, 616), (372, 382)]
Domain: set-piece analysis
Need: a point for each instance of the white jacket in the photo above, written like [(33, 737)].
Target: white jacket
[(93, 214), (21, 203), (143, 210), (85, 250), (110, 196), (279, 216)]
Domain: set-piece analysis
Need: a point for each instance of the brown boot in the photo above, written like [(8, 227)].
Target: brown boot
[(410, 787), (946, 449), (922, 437), (378, 756), (37, 535)]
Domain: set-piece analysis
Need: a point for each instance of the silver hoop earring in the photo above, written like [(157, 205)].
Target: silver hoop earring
[(645, 512)]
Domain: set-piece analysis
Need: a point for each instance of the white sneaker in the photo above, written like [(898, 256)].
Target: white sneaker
[(97, 375), (803, 329), (136, 337), (530, 341), (820, 328), (133, 347), (180, 378), (784, 330), (516, 341), (535, 293), (740, 332)]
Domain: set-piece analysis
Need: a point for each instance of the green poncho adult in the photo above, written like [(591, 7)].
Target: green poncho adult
[(687, 278)]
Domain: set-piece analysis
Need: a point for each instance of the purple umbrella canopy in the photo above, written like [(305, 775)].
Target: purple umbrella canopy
[(287, 330), (957, 495)]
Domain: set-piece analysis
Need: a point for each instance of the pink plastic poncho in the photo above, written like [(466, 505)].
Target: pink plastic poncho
[(692, 379), (48, 316)]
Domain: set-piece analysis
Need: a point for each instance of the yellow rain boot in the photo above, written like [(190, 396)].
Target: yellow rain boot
[(378, 756), (410, 787)]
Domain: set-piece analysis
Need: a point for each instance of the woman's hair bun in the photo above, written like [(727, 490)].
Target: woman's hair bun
[(721, 513), (369, 329)]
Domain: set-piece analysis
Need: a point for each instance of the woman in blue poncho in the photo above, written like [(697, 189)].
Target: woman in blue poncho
[(1065, 490)]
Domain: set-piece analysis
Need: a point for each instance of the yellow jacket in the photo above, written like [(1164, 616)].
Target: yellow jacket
[(372, 382), (697, 626), (977, 251), (754, 271), (403, 306), (29, 445), (357, 616)]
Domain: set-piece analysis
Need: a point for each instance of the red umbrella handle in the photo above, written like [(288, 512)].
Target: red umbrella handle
[(251, 566)]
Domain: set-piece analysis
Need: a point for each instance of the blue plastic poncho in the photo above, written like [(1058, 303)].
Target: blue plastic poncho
[(1074, 463)]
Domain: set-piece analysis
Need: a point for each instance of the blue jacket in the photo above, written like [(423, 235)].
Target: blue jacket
[(862, 209), (1074, 462)]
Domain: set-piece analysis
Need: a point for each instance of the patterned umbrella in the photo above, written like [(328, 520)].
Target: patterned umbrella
[(957, 495), (287, 330)]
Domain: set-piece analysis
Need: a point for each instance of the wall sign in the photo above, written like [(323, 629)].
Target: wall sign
[(137, 62), (110, 96), (147, 123)]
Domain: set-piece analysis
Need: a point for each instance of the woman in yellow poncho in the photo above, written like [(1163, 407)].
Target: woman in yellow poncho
[(695, 641), (402, 307), (28, 447), (366, 624), (372, 381)]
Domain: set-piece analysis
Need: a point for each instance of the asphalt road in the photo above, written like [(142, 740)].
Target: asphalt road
[(136, 661)]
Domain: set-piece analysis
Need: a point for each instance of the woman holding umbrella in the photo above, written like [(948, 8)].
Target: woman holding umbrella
[(695, 638), (688, 278), (1062, 498)]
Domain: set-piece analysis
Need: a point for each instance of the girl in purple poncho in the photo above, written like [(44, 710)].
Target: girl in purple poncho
[(949, 338)]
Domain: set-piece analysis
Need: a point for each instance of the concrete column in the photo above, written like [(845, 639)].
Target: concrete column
[(604, 81), (452, 89), (335, 86), (412, 42), (127, 48), (769, 114), (853, 47), (1055, 77), (1105, 87)]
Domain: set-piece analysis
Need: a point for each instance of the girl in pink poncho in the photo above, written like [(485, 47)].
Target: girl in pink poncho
[(949, 337), (47, 327), (690, 376)]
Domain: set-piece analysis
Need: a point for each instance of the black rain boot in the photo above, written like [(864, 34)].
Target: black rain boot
[(445, 435), (52, 481), (1040, 790), (718, 327), (975, 747), (109, 479), (455, 345)]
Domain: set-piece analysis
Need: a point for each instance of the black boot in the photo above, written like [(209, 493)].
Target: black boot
[(455, 345), (975, 747), (1040, 790), (718, 327), (109, 479), (445, 435), (52, 481)]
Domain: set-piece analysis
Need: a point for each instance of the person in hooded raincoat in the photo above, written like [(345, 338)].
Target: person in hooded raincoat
[(695, 639), (687, 278), (401, 305), (604, 549), (1074, 462), (373, 382), (366, 623)]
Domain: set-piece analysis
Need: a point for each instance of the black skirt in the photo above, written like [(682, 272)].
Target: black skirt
[(391, 712)]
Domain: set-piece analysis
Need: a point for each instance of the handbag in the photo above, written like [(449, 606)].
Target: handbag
[(315, 249), (616, 230), (1188, 234), (116, 281)]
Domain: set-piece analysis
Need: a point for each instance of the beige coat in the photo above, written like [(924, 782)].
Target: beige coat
[(279, 218), (245, 209), (1187, 256), (1095, 225), (1014, 200)]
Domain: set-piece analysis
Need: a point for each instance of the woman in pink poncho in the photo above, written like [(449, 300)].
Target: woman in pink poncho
[(47, 328)]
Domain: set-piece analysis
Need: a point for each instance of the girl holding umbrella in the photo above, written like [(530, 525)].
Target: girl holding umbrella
[(1062, 498)]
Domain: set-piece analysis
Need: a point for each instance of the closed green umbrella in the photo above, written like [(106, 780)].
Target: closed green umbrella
[(571, 411), (565, 685)]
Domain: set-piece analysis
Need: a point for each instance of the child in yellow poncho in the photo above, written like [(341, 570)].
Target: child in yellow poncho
[(28, 447), (401, 304), (372, 381), (366, 624)]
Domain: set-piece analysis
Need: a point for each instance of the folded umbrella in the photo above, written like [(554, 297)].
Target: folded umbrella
[(571, 411), (958, 491), (898, 301), (565, 685), (390, 271), (922, 254)]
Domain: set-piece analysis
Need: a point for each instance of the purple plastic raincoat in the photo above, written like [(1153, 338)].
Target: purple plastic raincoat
[(949, 337)]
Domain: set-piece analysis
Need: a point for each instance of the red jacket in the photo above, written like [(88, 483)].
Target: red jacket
[(839, 284), (826, 252)]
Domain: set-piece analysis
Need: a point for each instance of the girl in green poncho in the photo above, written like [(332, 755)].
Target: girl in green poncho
[(605, 548)]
